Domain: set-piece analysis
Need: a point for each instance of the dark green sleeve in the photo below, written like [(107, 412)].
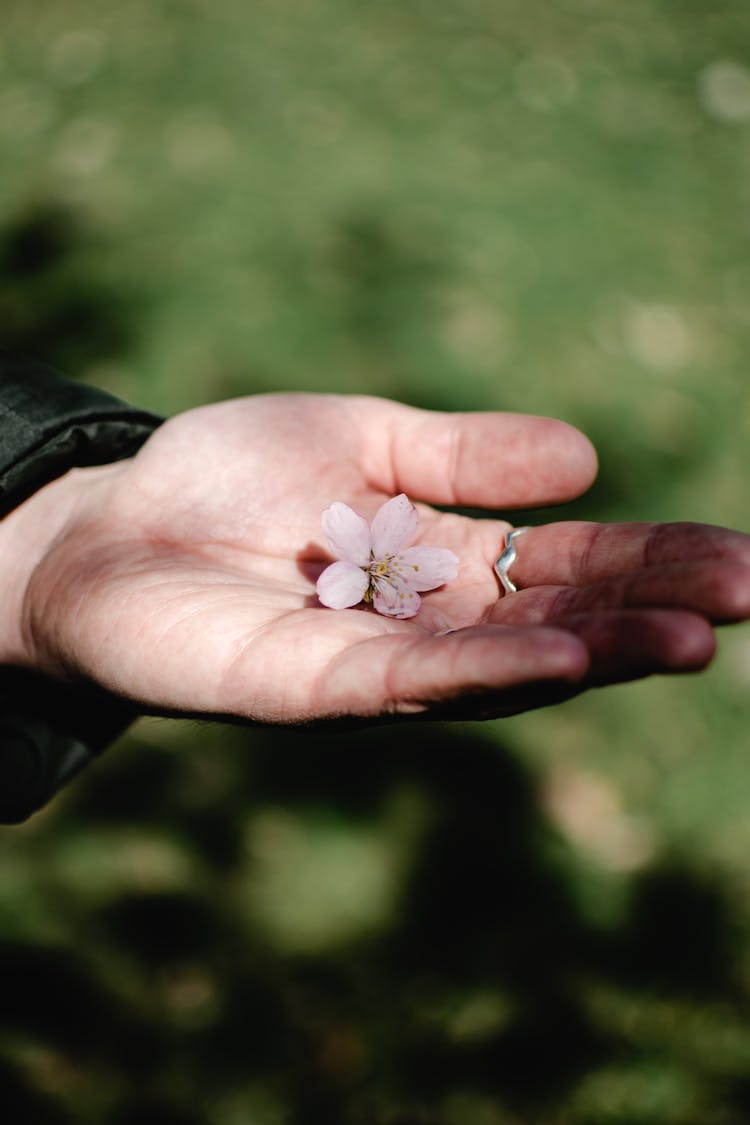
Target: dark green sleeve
[(48, 424)]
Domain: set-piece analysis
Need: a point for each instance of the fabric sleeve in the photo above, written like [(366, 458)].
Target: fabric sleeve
[(48, 425)]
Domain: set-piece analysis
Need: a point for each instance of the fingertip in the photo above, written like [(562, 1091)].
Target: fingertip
[(567, 654), (583, 457), (733, 596), (691, 644), (542, 461), (674, 640)]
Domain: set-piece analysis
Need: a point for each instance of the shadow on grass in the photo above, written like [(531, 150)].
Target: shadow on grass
[(170, 1004)]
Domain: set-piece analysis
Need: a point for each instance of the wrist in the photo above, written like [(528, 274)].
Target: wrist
[(28, 535)]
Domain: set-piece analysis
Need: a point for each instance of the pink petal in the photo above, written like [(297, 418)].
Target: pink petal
[(347, 532), (395, 525), (394, 598), (424, 568), (342, 585)]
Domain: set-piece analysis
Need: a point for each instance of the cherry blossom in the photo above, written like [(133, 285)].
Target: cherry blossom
[(375, 565)]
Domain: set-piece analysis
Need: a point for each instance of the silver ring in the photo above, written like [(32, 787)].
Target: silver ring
[(506, 560)]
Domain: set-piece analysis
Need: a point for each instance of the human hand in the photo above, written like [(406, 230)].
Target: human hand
[(184, 579)]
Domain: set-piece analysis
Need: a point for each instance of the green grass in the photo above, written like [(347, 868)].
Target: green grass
[(486, 205)]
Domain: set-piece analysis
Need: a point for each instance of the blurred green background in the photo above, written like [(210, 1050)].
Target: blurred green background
[(484, 204)]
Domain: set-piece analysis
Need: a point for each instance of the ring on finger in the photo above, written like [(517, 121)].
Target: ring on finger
[(506, 560)]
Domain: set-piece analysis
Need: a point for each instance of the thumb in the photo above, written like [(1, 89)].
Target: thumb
[(491, 460)]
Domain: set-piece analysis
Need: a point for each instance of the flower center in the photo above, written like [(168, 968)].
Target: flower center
[(381, 568)]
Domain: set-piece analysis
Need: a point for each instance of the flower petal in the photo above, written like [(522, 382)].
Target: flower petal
[(347, 532), (342, 585), (394, 526), (424, 568), (394, 598)]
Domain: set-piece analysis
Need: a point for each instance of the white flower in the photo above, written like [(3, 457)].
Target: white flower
[(372, 564)]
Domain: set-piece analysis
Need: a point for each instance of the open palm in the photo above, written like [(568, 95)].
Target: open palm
[(184, 579)]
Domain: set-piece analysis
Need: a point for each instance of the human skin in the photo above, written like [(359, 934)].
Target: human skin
[(183, 579)]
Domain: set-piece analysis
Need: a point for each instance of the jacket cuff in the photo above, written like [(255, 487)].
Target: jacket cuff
[(48, 425), (49, 731)]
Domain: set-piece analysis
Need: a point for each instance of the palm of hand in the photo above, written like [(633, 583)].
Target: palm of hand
[(189, 585)]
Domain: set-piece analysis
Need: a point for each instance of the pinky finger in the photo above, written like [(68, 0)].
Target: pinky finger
[(483, 670)]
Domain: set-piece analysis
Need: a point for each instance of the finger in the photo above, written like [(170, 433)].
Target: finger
[(478, 460), (578, 553), (401, 674), (629, 645), (717, 590), (622, 646)]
